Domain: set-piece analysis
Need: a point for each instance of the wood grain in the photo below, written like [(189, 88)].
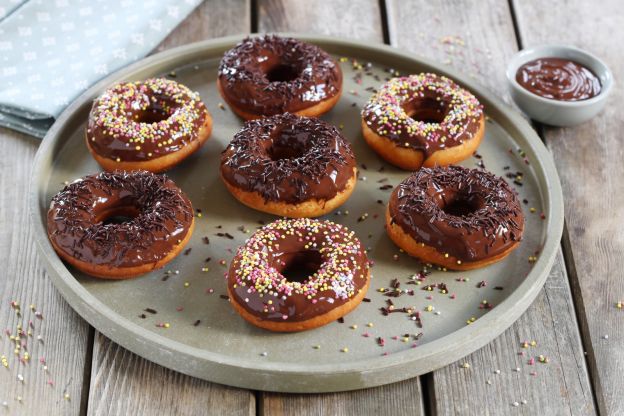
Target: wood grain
[(124, 383), (358, 20), (589, 161), (64, 335), (349, 19), (450, 32)]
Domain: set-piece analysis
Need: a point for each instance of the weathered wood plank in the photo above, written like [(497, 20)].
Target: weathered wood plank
[(65, 336), (124, 383), (589, 161), (358, 20), (350, 19), (449, 32)]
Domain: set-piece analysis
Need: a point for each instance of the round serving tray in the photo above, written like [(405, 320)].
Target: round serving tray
[(179, 317)]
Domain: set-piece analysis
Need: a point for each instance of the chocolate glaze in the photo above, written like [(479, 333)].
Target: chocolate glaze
[(338, 255), (77, 215), (288, 158), (159, 116), (467, 213), (558, 79), (425, 112), (269, 75)]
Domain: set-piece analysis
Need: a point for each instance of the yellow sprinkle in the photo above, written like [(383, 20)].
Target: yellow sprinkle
[(166, 325), (186, 284), (370, 325), (345, 349)]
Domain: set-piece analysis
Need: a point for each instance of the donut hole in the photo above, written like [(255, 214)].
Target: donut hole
[(289, 144), (300, 265), (282, 73), (151, 116), (427, 110), (117, 214), (461, 205)]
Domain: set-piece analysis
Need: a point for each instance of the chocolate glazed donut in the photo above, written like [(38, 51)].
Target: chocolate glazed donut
[(268, 75), (289, 166), (266, 284), (120, 225), (455, 217)]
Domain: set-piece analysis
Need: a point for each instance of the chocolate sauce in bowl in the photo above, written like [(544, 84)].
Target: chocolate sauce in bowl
[(558, 79)]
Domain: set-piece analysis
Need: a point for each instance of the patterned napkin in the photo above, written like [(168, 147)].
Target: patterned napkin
[(53, 50)]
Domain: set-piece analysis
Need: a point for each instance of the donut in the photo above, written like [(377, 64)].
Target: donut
[(455, 217), (289, 166), (118, 225), (146, 125), (423, 120), (267, 75), (298, 274)]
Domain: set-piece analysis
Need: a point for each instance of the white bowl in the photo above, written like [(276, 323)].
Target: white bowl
[(555, 112)]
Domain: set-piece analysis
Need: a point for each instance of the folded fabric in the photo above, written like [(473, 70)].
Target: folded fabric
[(53, 50)]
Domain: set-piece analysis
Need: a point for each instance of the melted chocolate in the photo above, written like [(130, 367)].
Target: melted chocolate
[(138, 121), (558, 79), (256, 282), (467, 213), (288, 158), (269, 75), (79, 219)]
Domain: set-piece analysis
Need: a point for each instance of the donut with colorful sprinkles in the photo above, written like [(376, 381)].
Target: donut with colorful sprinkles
[(146, 125), (423, 120), (298, 274)]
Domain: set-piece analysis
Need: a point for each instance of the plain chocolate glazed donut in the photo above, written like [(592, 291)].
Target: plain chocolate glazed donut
[(268, 75)]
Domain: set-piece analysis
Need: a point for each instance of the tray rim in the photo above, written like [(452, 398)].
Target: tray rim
[(285, 377)]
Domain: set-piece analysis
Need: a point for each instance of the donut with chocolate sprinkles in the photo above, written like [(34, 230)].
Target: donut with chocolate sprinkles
[(268, 75), (146, 125), (455, 217), (298, 274), (290, 166), (119, 225), (423, 120)]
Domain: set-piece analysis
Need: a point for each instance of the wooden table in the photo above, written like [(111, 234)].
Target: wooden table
[(575, 320)]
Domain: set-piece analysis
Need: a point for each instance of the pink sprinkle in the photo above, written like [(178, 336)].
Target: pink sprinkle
[(51, 383), (531, 361), (42, 360), (453, 296), (284, 317), (179, 308), (429, 297), (533, 373)]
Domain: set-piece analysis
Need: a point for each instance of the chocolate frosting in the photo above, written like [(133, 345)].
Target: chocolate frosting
[(558, 79), (162, 216), (467, 213), (256, 282), (269, 75), (289, 158), (425, 112), (138, 121)]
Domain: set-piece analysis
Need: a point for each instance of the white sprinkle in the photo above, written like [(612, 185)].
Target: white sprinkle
[(438, 313), (177, 272), (517, 370), (524, 401), (515, 404), (489, 382), (5, 404), (496, 371), (39, 338), (605, 336), (264, 354), (20, 377)]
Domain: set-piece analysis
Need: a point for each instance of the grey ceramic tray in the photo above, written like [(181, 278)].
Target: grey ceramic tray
[(205, 338)]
